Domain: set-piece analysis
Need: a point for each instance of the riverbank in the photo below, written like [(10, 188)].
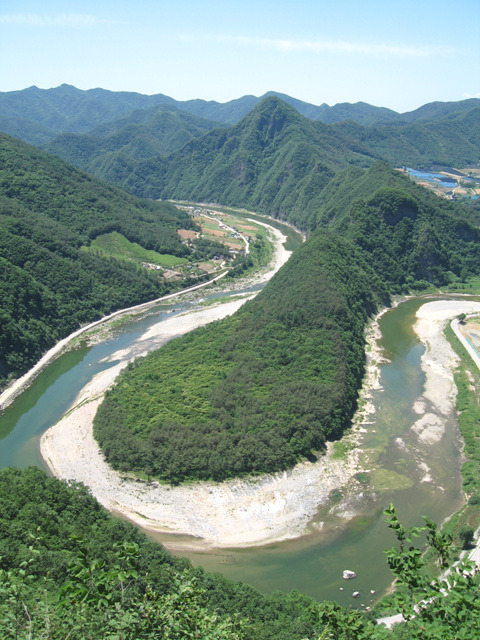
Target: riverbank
[(438, 363), (19, 385), (241, 513), (234, 514)]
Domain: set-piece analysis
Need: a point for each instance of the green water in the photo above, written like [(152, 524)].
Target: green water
[(313, 563)]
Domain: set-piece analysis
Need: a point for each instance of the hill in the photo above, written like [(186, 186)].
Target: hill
[(68, 109), (278, 162), (257, 392), (450, 141), (437, 110), (142, 134), (274, 161), (49, 213)]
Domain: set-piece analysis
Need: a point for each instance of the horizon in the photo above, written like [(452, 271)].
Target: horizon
[(266, 94), (400, 57)]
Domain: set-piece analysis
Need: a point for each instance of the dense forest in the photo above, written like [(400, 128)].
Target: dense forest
[(256, 392), (279, 162), (38, 115), (49, 285), (70, 570), (277, 159), (142, 134), (260, 390)]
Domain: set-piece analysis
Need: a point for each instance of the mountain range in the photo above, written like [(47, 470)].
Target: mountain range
[(44, 113)]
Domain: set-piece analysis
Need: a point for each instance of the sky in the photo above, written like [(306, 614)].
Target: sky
[(392, 54)]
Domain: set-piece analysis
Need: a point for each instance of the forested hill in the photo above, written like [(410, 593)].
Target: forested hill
[(270, 385), (38, 115), (257, 391), (452, 140), (279, 162), (274, 160), (142, 134), (49, 285)]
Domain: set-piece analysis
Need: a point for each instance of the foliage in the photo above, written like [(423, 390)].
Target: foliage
[(70, 563), (48, 285), (67, 569), (98, 601), (257, 391), (466, 535)]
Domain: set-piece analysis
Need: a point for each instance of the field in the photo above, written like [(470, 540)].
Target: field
[(115, 245)]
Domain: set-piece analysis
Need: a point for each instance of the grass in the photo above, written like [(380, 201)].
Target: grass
[(117, 246)]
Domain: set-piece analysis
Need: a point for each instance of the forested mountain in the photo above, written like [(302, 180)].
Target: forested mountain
[(437, 110), (278, 162), (48, 211), (67, 109), (274, 160), (142, 134), (272, 383), (450, 141), (45, 113)]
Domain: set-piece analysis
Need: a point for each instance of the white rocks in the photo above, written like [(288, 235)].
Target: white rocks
[(348, 575)]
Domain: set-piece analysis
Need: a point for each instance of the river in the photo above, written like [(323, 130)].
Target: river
[(336, 541)]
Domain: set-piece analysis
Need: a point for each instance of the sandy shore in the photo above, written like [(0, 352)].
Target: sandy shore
[(242, 513), (237, 513), (438, 363)]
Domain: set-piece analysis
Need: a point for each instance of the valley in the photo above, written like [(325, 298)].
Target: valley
[(288, 404)]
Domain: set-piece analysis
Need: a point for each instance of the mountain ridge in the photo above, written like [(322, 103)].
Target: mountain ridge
[(66, 109)]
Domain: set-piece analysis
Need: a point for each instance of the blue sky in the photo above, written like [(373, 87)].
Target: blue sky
[(393, 54)]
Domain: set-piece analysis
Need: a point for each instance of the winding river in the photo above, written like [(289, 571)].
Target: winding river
[(349, 531)]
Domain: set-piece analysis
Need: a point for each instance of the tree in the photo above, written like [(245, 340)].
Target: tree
[(466, 534)]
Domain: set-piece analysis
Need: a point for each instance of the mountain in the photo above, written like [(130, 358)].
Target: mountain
[(142, 134), (49, 214), (450, 141), (436, 110), (278, 162), (274, 160), (233, 111), (66, 108), (45, 113)]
